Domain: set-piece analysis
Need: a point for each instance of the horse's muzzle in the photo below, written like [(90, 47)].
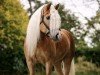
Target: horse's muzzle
[(57, 37)]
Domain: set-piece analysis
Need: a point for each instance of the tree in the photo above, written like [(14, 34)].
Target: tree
[(94, 23), (13, 21)]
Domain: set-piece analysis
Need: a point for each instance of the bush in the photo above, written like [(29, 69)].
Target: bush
[(90, 56), (13, 21)]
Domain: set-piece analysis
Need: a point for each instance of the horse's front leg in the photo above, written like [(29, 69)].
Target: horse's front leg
[(29, 60), (67, 65), (58, 68), (30, 65), (48, 68)]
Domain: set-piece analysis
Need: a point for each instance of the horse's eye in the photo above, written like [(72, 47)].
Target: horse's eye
[(48, 17)]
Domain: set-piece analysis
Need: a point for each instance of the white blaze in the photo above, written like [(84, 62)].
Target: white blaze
[(55, 21)]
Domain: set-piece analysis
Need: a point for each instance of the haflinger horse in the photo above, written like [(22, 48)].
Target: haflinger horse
[(46, 43)]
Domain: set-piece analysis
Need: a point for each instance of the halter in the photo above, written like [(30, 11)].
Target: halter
[(42, 21)]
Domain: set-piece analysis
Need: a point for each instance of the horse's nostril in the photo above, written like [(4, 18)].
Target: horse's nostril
[(57, 35)]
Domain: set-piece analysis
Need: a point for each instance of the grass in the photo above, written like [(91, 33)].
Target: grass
[(85, 66), (77, 73), (53, 73), (82, 67), (88, 73)]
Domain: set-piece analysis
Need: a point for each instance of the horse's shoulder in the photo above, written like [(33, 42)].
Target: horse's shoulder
[(66, 32)]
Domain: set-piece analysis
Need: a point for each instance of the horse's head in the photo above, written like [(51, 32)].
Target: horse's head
[(50, 21)]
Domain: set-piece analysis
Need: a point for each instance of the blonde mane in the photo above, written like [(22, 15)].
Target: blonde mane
[(33, 31)]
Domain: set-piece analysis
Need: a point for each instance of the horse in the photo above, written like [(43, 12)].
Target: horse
[(47, 43)]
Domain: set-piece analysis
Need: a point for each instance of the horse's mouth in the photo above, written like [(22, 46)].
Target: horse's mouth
[(57, 38)]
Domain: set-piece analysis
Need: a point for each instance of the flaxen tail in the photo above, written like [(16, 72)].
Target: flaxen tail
[(72, 68)]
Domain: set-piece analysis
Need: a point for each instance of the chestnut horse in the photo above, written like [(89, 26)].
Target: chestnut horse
[(48, 44)]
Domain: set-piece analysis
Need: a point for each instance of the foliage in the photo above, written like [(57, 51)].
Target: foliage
[(89, 55), (13, 21), (94, 23)]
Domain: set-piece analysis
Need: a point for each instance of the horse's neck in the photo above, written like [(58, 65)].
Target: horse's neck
[(42, 36)]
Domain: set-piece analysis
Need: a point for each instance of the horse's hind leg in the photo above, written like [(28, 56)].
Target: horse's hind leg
[(48, 68), (58, 68)]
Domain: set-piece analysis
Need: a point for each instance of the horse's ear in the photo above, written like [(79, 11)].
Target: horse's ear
[(57, 6), (48, 6)]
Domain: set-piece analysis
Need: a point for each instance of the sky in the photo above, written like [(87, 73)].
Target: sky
[(81, 9)]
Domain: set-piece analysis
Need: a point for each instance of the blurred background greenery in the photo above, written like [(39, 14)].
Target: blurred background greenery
[(13, 24)]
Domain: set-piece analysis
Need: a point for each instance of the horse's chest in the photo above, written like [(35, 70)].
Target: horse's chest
[(62, 48), (46, 51)]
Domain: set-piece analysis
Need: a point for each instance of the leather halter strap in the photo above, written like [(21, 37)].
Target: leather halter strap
[(42, 21)]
